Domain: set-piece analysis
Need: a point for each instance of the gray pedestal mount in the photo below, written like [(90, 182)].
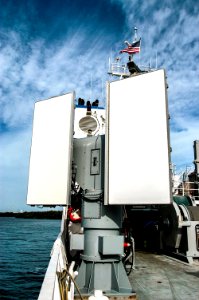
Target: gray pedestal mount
[(101, 267)]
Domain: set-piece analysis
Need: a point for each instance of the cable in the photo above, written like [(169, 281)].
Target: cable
[(74, 284), (63, 286)]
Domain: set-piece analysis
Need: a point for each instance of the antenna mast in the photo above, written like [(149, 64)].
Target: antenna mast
[(135, 34)]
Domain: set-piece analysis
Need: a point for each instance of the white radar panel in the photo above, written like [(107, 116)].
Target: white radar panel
[(51, 151), (137, 141)]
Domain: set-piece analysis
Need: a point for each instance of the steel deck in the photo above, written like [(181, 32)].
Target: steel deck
[(158, 277)]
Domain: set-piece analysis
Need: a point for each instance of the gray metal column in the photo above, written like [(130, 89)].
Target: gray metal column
[(101, 267)]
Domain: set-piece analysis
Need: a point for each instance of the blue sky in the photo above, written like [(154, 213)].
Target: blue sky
[(51, 47)]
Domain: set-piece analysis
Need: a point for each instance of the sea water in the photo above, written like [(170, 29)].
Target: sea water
[(25, 246)]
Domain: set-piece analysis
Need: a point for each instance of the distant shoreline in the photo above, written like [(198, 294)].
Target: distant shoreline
[(34, 215)]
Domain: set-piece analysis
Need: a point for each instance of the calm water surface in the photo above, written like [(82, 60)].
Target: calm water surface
[(25, 246)]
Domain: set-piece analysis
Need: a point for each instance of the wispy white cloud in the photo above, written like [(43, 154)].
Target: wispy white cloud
[(36, 72), (169, 30), (182, 142)]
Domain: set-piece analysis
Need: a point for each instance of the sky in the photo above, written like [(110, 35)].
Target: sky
[(49, 48)]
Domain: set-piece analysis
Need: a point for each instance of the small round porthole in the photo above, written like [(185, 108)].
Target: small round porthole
[(88, 124)]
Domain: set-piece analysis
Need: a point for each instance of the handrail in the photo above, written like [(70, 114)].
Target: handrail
[(185, 189), (117, 69)]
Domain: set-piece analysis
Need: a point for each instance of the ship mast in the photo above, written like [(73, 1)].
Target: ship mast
[(135, 38), (135, 34), (130, 68)]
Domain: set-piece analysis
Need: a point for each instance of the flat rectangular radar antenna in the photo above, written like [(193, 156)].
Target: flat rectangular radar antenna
[(137, 156), (50, 161)]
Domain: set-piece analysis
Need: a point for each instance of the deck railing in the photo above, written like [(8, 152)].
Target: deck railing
[(118, 70), (185, 188)]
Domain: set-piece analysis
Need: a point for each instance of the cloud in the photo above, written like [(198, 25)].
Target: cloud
[(168, 31), (182, 143), (46, 52), (36, 73)]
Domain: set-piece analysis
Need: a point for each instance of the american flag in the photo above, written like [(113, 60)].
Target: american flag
[(132, 48)]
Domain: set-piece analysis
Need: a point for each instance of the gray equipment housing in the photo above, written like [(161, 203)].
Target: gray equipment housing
[(88, 155), (103, 242), (180, 233)]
